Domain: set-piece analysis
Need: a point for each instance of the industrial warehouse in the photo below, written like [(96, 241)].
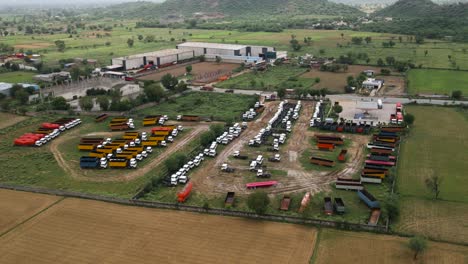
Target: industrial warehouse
[(230, 53)]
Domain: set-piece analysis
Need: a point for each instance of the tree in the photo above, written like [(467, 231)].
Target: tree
[(258, 202), (368, 40), (154, 92), (380, 62), (86, 103), (337, 109), (342, 35), (140, 37), (317, 80), (457, 94), (60, 45), (59, 103), (419, 39), (281, 92), (433, 183), (390, 60), (295, 43), (400, 38), (418, 244), (169, 81), (75, 73), (356, 40), (188, 69), (181, 86), (391, 207), (130, 42), (103, 102), (22, 96), (206, 138), (409, 119), (218, 59), (425, 53)]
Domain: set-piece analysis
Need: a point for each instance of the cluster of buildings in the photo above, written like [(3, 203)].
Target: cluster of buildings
[(231, 53)]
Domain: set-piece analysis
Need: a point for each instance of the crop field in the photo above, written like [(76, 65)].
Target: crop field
[(200, 71), (7, 119), (437, 81), (17, 207), (88, 232), (274, 77), (352, 247), (17, 77), (206, 104), (426, 152)]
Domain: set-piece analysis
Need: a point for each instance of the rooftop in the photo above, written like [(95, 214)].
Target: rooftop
[(158, 53), (212, 45)]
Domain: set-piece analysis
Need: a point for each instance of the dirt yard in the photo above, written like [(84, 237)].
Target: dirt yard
[(7, 119), (72, 167), (83, 231), (210, 180), (394, 86), (203, 70), (37, 45), (337, 81), (17, 207), (352, 247)]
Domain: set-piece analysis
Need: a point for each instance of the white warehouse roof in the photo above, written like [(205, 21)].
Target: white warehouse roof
[(212, 45), (158, 53)]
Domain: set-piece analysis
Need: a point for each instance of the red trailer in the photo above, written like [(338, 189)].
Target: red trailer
[(342, 155), (326, 146), (383, 163), (185, 193), (285, 202), (254, 185)]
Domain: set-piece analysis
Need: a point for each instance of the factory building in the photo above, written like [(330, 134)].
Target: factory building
[(160, 58), (228, 50)]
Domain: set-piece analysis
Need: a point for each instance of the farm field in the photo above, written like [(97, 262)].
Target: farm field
[(201, 71), (437, 81), (206, 104), (428, 151), (17, 77), (7, 119), (352, 247), (121, 234), (274, 77), (17, 207)]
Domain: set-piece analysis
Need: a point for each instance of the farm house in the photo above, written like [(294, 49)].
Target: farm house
[(230, 51), (160, 58)]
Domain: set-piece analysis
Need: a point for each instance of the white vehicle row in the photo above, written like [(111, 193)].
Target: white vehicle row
[(315, 118), (56, 132), (232, 133), (251, 113), (181, 175)]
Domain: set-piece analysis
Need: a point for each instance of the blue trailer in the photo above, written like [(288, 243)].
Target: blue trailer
[(368, 199), (90, 163)]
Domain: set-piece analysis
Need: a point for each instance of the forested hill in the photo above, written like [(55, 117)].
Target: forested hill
[(231, 8), (424, 8), (422, 17)]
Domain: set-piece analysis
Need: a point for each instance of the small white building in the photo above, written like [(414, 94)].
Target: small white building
[(158, 58), (372, 84)]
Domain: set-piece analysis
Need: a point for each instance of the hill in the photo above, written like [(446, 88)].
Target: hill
[(231, 8), (424, 8)]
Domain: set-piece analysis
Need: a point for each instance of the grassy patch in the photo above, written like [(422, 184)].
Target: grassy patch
[(437, 81), (218, 106), (274, 77), (17, 77)]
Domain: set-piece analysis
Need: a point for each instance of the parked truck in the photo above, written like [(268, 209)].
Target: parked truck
[(327, 206), (121, 163), (185, 193), (322, 162), (285, 202), (229, 200), (237, 155), (368, 199), (339, 206), (225, 168), (93, 163), (305, 201), (342, 155), (101, 118)]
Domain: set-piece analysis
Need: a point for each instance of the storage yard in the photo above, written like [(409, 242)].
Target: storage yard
[(202, 71), (122, 234)]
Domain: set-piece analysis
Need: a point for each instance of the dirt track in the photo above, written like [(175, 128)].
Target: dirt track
[(178, 144), (84, 231), (209, 179)]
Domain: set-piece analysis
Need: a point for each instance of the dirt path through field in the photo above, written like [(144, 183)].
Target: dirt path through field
[(7, 119), (172, 148)]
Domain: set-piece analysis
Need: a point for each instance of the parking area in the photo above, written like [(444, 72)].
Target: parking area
[(366, 111)]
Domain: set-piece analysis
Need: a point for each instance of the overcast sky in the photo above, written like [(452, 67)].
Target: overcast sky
[(64, 2)]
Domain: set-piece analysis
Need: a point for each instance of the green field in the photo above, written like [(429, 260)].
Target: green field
[(87, 45), (271, 79), (17, 77), (436, 145), (437, 81), (218, 106)]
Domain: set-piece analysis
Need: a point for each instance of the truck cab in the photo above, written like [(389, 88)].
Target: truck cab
[(259, 159), (183, 179), (174, 133), (236, 153), (149, 150), (253, 165), (133, 163), (170, 139), (103, 163)]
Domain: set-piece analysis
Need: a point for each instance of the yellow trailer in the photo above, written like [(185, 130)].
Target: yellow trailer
[(161, 133), (159, 138), (118, 163), (137, 149), (86, 147), (105, 150), (131, 135), (377, 174), (125, 156), (150, 143), (150, 121), (97, 154)]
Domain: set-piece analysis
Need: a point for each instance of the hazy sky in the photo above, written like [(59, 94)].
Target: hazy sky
[(64, 2)]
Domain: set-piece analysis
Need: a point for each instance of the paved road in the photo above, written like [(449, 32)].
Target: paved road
[(338, 97)]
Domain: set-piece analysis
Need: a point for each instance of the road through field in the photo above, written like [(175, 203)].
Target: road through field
[(85, 231)]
